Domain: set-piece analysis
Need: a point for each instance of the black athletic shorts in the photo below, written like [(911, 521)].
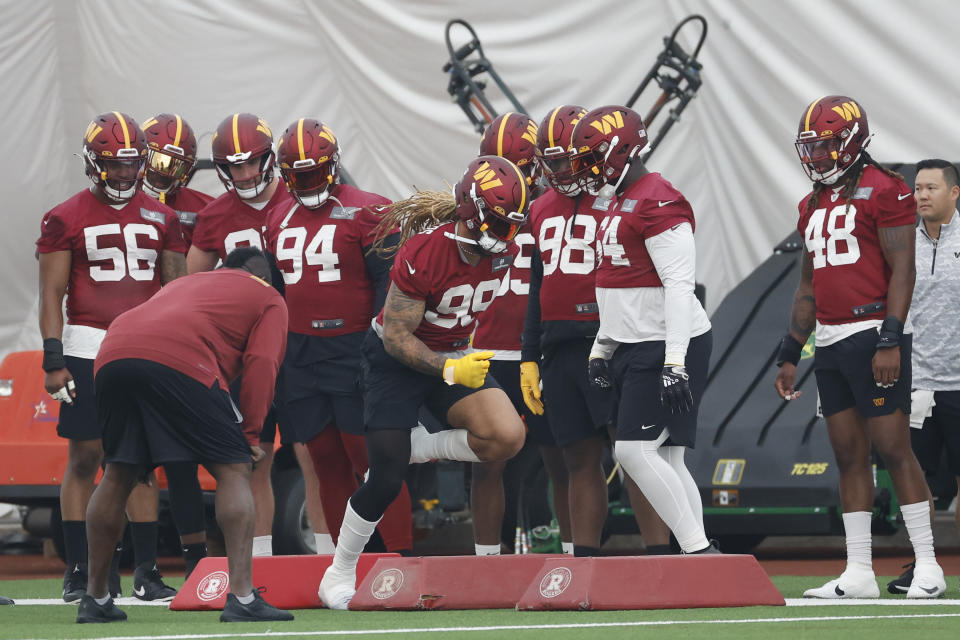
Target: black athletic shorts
[(393, 393), (845, 377), (636, 370), (268, 433), (507, 375), (319, 384), (152, 414), (575, 409), (78, 421), (940, 432)]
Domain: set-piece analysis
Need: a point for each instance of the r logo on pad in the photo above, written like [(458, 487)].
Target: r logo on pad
[(386, 584), (555, 582), (213, 586)]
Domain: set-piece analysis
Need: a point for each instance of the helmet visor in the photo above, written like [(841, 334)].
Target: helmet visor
[(307, 179), (819, 155), (164, 170)]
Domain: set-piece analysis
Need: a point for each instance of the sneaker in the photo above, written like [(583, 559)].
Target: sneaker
[(927, 582), (5, 600), (74, 582), (901, 585), (90, 611), (148, 584), (709, 550), (257, 611), (336, 590), (852, 583)]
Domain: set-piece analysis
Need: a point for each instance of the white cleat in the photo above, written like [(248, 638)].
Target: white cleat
[(928, 582), (417, 434), (336, 590), (850, 584)]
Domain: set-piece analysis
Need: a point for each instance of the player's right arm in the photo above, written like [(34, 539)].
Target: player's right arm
[(54, 277), (803, 320), (200, 260), (401, 317)]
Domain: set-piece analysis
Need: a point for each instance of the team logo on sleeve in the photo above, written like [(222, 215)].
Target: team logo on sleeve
[(152, 216), (188, 218), (628, 206), (863, 193), (344, 213)]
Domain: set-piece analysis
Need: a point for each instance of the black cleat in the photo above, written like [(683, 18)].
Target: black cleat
[(257, 611), (901, 585), (148, 584), (5, 600), (90, 611), (74, 582), (706, 551)]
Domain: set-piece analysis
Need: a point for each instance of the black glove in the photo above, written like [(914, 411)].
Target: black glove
[(675, 389), (599, 373)]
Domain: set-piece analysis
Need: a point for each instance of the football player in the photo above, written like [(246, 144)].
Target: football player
[(856, 283), (244, 158), (653, 331), (321, 236), (513, 136), (111, 247), (454, 257), (171, 161)]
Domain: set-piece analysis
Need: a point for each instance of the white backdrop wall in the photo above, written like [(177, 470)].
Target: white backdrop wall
[(371, 70)]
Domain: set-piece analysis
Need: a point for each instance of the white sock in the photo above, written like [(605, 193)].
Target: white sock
[(856, 526), (102, 601), (662, 486), (916, 517), (674, 457), (486, 549), (355, 532), (247, 599), (445, 445), (567, 548), (325, 544), (262, 546)]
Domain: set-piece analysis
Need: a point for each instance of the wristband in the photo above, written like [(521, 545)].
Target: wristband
[(53, 355), (789, 351), (890, 332)]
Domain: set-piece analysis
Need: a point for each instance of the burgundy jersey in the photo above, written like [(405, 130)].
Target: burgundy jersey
[(564, 230), (114, 253), (429, 267), (210, 326), (842, 237), (187, 203), (228, 222), (648, 207), (501, 326), (320, 253)]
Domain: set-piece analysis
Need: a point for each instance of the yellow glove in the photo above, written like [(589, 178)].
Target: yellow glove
[(530, 386), (470, 370)]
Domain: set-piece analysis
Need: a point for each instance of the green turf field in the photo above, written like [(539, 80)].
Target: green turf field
[(821, 622)]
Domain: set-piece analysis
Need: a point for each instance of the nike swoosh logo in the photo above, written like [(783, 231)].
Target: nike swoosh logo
[(660, 203), (410, 267), (931, 590), (838, 591), (902, 196), (647, 426), (140, 592)]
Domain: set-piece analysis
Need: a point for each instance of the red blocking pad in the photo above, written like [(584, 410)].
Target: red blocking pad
[(649, 582), (291, 582), (450, 582)]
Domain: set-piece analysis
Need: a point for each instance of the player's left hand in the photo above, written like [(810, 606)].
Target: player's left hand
[(886, 367), (257, 454), (599, 373), (675, 391)]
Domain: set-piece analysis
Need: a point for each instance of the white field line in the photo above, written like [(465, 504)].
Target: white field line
[(524, 627)]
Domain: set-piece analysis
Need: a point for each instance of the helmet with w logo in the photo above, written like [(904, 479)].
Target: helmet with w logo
[(241, 139), (513, 136), (309, 159), (604, 143), (553, 147), (171, 154), (114, 152), (833, 132), (492, 197)]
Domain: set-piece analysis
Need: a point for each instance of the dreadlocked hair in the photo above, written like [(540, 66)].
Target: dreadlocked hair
[(851, 181), (422, 210)]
